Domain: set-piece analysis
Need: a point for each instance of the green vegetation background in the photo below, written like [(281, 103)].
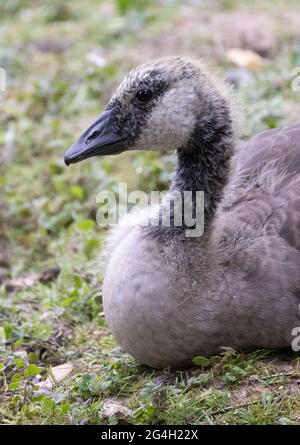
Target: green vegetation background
[(63, 61)]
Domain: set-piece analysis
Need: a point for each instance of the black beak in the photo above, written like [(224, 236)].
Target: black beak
[(98, 140)]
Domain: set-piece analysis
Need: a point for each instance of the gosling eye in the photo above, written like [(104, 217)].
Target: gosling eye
[(144, 95)]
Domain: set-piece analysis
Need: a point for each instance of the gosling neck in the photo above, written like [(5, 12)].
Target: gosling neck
[(203, 165)]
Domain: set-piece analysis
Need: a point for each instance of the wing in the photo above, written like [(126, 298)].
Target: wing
[(257, 235), (263, 194)]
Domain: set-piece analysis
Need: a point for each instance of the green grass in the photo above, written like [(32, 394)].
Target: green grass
[(47, 214)]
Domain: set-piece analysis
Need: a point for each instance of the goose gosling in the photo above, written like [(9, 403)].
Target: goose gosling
[(168, 297)]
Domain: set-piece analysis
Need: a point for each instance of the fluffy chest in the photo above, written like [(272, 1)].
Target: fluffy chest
[(151, 302)]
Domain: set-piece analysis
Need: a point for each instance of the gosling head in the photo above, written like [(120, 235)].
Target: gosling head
[(159, 106)]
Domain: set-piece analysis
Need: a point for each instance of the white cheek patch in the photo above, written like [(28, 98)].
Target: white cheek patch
[(171, 122)]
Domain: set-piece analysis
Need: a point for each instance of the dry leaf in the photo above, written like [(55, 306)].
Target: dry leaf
[(20, 283), (113, 407), (244, 58), (57, 374), (61, 372), (17, 284)]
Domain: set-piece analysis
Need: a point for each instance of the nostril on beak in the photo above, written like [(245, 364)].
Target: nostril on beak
[(92, 136)]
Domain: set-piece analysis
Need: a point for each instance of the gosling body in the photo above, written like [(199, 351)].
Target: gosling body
[(168, 297)]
